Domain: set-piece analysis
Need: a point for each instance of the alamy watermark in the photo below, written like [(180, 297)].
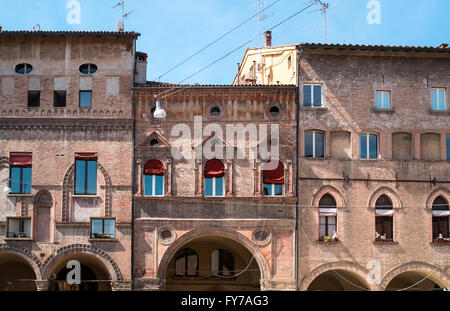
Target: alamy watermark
[(240, 142), (74, 15), (374, 15)]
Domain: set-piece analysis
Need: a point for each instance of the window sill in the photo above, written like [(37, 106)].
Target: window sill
[(328, 242), (85, 196), (19, 195), (311, 108), (383, 110), (103, 240), (19, 239), (440, 112), (385, 242), (440, 242)]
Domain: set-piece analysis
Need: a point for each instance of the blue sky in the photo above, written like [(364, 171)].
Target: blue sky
[(173, 30)]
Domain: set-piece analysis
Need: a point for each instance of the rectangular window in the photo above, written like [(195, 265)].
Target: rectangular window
[(153, 185), (85, 177), (384, 227), (368, 146), (273, 190), (59, 99), (327, 226), (214, 187), (19, 227), (448, 147), (20, 172), (86, 99), (312, 95), (438, 99), (34, 98), (383, 100), (103, 228), (314, 144)]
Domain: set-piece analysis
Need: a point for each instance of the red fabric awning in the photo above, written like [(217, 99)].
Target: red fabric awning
[(154, 167), (87, 156), (275, 176), (21, 159), (214, 168)]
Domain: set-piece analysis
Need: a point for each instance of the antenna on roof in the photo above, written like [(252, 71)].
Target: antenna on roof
[(121, 24), (37, 27), (324, 7)]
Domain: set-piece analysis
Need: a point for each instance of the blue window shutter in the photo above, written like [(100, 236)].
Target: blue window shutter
[(267, 189), (434, 104), (308, 144), (379, 100), (15, 180), (86, 99), (208, 186), (448, 147), (278, 189), (363, 146), (320, 148), (386, 103), (96, 227), (148, 185), (441, 100), (159, 185), (80, 178), (26, 180), (307, 95), (317, 95), (373, 146), (92, 177), (219, 186)]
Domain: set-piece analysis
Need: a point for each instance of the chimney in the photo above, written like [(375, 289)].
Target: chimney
[(442, 46), (120, 27), (140, 76), (268, 38)]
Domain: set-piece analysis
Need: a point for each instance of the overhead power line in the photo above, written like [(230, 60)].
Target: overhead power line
[(231, 52), (218, 39)]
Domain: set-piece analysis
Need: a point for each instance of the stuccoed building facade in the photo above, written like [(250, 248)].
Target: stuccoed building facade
[(374, 146), (218, 222), (65, 158)]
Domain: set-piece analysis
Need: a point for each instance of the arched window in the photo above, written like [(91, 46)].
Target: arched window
[(186, 262), (327, 217), (214, 181), (384, 223), (441, 215), (222, 263), (273, 179), (154, 178)]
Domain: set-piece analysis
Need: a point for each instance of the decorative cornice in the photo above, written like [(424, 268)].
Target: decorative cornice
[(65, 123)]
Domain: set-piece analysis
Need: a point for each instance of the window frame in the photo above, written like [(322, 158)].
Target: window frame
[(31, 94), (214, 190), (25, 66), (447, 143), (89, 68), (22, 184), (86, 170), (58, 94), (220, 263), (367, 134), (20, 218), (154, 186), (103, 228), (312, 84), (314, 132), (79, 99), (185, 256), (444, 89), (382, 92)]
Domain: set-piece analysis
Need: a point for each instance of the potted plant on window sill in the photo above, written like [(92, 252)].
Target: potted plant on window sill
[(20, 235), (102, 236)]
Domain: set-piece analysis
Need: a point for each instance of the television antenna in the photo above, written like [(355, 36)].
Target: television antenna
[(121, 24), (324, 8)]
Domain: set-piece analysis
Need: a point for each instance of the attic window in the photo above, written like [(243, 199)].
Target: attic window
[(24, 69), (88, 69), (154, 143)]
